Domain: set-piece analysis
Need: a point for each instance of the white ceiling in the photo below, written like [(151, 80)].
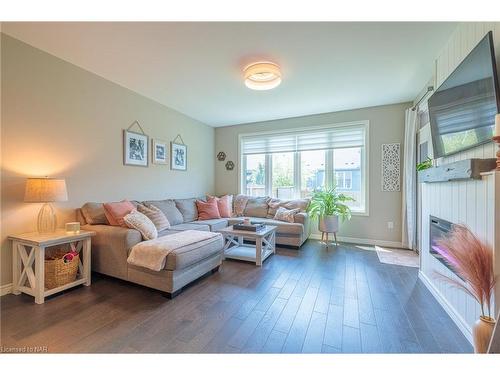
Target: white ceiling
[(196, 68)]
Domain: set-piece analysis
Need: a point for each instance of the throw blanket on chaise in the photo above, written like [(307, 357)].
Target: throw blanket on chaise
[(152, 254)]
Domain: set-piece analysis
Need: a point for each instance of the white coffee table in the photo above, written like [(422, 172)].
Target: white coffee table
[(235, 248)]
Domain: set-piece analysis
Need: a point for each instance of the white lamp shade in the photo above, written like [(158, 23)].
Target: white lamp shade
[(45, 190)]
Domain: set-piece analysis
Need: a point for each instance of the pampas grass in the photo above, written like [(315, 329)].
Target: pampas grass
[(472, 260)]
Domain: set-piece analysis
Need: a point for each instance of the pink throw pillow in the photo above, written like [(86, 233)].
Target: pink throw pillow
[(116, 211), (224, 204), (207, 210)]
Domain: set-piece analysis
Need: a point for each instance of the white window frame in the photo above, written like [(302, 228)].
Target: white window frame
[(329, 163), (344, 174)]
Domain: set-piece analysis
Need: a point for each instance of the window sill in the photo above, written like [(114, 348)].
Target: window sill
[(360, 213)]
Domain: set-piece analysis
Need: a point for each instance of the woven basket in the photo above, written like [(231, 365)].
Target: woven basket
[(57, 272)]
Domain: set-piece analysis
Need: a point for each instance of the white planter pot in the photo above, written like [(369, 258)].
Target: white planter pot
[(328, 224)]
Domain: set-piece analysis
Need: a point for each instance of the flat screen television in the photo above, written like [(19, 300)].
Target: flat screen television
[(462, 110)]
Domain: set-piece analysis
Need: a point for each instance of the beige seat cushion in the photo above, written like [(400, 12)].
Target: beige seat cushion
[(283, 227), (189, 226), (214, 224), (194, 253)]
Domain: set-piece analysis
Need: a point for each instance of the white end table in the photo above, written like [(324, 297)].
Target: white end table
[(28, 260), (235, 248)]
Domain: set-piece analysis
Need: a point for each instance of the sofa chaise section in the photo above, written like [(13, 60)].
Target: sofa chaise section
[(112, 244)]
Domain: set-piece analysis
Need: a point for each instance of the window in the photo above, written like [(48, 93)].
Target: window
[(282, 175), (255, 175), (343, 180), (294, 164), (312, 172), (347, 164)]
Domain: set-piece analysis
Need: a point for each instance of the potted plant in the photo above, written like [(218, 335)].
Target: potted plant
[(472, 260), (327, 206), (426, 164)]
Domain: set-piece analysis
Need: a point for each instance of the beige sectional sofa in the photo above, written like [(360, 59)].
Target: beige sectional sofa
[(112, 244)]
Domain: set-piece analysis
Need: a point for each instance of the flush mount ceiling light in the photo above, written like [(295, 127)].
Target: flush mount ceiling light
[(262, 76)]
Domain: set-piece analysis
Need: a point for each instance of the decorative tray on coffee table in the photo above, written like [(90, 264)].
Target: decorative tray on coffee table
[(252, 227)]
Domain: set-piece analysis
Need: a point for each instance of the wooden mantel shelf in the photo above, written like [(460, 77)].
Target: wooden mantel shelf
[(460, 170)]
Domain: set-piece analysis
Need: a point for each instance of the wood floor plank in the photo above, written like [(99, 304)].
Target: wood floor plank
[(351, 312), (298, 330), (334, 326), (313, 343), (259, 337), (285, 321), (351, 340), (246, 329), (370, 341), (275, 342)]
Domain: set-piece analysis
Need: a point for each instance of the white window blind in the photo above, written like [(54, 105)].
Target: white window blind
[(305, 140)]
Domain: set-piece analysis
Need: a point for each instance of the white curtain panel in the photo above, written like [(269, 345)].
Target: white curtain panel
[(409, 214)]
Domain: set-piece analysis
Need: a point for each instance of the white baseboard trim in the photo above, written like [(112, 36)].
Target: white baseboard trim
[(361, 241), (5, 289), (454, 315)]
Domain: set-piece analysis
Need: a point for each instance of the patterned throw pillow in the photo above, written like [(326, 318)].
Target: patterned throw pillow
[(155, 215), (283, 214), (142, 223), (240, 202)]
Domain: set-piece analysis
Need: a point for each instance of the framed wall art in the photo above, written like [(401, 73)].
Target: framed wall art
[(135, 148), (159, 151), (178, 154)]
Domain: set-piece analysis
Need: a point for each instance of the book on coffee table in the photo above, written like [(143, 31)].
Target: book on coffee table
[(252, 227)]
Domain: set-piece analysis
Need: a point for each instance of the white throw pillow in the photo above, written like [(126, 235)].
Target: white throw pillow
[(142, 223), (283, 214)]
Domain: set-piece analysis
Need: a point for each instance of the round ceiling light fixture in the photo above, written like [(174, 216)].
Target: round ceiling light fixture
[(262, 76)]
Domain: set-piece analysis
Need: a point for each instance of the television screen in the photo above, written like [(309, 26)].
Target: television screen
[(462, 110)]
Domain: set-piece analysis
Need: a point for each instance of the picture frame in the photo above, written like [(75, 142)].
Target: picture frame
[(178, 156), (159, 151), (135, 149)]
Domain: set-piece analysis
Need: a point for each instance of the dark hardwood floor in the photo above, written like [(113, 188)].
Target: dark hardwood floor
[(308, 301)]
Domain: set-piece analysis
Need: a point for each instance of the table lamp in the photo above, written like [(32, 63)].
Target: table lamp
[(45, 190)]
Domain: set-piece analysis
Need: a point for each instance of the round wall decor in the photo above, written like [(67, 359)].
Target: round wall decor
[(229, 165), (221, 156)]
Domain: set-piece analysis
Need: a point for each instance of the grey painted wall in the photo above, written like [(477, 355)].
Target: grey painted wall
[(386, 126), (62, 121)]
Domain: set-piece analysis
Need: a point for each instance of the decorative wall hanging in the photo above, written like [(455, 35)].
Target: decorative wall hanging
[(135, 146), (391, 167), (159, 148), (229, 165), (221, 156), (178, 154)]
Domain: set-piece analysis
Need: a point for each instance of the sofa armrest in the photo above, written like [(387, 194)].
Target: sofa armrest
[(110, 248), (301, 217), (114, 236)]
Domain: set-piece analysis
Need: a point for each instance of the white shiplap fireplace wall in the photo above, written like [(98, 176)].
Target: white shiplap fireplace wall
[(472, 202)]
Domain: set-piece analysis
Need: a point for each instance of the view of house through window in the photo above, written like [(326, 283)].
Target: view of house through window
[(339, 161), (312, 176)]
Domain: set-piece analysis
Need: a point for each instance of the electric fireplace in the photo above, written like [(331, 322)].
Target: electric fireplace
[(439, 228)]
